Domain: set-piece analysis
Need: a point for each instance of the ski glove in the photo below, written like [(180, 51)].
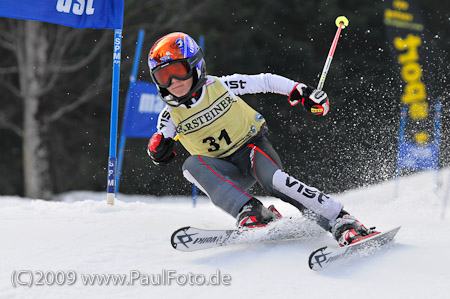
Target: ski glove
[(160, 149), (314, 100)]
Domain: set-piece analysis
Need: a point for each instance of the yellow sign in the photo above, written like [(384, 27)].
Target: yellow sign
[(407, 43)]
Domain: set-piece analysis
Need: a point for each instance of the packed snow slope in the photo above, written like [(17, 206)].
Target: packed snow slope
[(82, 235)]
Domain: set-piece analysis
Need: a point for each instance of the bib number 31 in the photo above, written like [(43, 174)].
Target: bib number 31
[(214, 146)]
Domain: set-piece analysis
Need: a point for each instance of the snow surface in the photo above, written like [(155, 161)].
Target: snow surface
[(83, 234)]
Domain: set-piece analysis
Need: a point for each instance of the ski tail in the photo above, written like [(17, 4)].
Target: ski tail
[(189, 238), (178, 235)]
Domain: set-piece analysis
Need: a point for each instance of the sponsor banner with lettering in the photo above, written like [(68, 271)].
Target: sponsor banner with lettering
[(99, 14), (405, 31), (142, 110), (412, 156)]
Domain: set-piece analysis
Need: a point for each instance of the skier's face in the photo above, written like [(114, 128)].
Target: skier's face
[(180, 88)]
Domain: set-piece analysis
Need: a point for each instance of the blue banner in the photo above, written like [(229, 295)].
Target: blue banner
[(412, 156), (408, 41), (419, 157), (142, 110), (99, 14)]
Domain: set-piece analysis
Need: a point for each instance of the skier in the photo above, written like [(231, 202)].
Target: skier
[(226, 139)]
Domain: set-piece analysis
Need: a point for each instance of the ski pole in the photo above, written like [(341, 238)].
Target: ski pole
[(341, 23)]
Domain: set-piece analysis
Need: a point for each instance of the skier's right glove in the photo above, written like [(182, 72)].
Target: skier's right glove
[(314, 100), (160, 149)]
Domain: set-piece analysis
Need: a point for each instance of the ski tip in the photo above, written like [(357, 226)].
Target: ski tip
[(172, 238), (321, 257), (318, 259), (392, 231)]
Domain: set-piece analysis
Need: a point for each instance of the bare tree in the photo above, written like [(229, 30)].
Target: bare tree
[(45, 55), (40, 50)]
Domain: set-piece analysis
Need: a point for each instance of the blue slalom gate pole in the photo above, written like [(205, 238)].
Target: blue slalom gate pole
[(111, 186), (123, 138), (194, 195), (401, 139), (437, 141), (201, 43), (437, 128)]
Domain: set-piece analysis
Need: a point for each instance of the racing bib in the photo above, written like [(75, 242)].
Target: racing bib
[(219, 125)]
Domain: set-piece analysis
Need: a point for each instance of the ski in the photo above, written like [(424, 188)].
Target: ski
[(192, 239), (323, 257)]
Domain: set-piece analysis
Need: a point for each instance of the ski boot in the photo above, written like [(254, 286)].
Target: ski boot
[(255, 214), (346, 229)]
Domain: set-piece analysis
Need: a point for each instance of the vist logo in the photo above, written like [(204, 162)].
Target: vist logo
[(304, 190), (77, 7), (234, 84)]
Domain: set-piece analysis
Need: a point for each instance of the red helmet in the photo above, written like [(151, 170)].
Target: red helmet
[(176, 55)]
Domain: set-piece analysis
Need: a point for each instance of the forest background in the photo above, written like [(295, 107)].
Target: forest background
[(55, 107)]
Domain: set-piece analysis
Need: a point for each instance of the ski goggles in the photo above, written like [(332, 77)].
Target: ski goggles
[(179, 69)]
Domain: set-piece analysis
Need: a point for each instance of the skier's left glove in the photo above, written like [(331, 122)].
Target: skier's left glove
[(314, 100), (160, 149)]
